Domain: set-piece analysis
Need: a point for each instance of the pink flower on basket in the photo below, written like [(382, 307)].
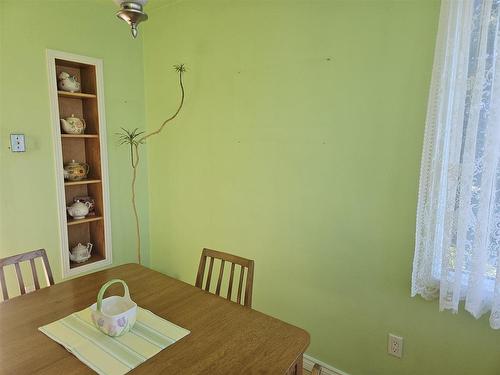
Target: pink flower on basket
[(112, 330), (122, 322)]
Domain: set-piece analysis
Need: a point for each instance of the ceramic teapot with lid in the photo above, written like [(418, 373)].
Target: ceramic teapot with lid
[(79, 210), (73, 125), (67, 82), (75, 171), (80, 253)]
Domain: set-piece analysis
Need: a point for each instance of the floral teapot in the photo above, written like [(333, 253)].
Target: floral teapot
[(80, 253), (75, 171), (73, 125), (79, 210), (67, 82)]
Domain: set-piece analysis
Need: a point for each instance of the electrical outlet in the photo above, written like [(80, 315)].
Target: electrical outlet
[(395, 345), (17, 143)]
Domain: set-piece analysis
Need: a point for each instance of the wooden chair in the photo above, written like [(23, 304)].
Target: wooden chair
[(234, 260), (15, 260)]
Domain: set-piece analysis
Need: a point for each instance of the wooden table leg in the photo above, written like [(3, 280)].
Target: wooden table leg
[(298, 367)]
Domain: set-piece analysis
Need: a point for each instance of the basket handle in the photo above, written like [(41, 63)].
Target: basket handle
[(126, 294)]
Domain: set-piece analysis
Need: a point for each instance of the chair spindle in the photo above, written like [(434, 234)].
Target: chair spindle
[(20, 280), (209, 276), (230, 286), (219, 281), (35, 275)]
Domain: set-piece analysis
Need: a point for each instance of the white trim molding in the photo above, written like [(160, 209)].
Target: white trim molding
[(326, 369)]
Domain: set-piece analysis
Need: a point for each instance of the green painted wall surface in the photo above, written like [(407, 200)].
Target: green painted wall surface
[(299, 146), (28, 198)]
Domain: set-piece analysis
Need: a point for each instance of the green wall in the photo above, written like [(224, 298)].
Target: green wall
[(28, 197), (299, 147)]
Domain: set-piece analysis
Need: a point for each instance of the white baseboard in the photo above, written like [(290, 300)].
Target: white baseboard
[(326, 369)]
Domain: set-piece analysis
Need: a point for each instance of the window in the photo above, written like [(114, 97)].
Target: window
[(458, 215)]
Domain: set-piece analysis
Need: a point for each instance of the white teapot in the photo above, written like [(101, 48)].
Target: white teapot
[(79, 210), (67, 82), (80, 253), (73, 125)]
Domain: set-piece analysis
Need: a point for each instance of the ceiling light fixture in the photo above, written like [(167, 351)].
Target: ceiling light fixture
[(131, 12)]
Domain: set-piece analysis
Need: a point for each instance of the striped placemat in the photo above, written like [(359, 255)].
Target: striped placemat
[(114, 355)]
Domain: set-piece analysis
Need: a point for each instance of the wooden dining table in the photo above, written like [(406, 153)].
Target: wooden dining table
[(225, 338)]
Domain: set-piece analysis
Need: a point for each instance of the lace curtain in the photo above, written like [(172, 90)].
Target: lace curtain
[(458, 216)]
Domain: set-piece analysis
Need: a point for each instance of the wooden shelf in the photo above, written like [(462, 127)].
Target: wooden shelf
[(89, 148), (79, 135), (86, 220), (81, 95), (82, 182), (92, 259)]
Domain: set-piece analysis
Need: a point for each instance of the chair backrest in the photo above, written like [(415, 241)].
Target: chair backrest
[(233, 260), (15, 260)]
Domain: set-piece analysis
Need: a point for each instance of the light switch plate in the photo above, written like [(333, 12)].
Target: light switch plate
[(17, 143)]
